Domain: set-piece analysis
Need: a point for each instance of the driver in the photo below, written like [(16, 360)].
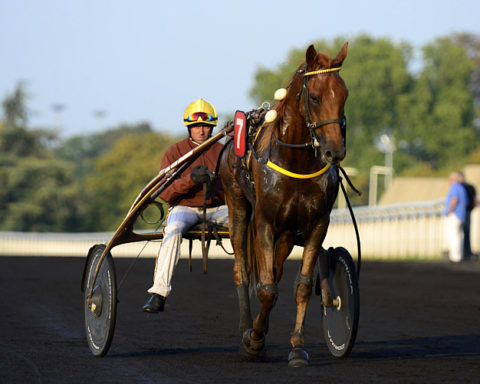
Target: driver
[(185, 197)]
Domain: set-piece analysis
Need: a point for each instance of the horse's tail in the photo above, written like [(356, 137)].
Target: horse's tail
[(252, 267)]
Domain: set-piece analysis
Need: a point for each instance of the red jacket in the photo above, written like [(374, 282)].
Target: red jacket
[(183, 191)]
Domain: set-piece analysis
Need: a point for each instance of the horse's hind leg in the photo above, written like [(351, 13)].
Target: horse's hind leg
[(239, 212), (238, 221), (245, 321)]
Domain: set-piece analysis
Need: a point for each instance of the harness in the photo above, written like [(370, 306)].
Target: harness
[(312, 126)]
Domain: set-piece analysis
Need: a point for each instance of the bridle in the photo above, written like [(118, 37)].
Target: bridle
[(312, 126)]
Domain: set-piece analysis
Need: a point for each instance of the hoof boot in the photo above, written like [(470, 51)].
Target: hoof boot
[(250, 346), (298, 358)]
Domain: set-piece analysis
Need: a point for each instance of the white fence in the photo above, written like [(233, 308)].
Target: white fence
[(414, 230), (408, 230)]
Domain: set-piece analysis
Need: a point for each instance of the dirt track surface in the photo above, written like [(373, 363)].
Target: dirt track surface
[(419, 322)]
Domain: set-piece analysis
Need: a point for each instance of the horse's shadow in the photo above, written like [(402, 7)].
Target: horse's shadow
[(177, 351), (411, 348), (418, 347)]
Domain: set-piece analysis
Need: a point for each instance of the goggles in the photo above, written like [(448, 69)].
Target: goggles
[(196, 116)]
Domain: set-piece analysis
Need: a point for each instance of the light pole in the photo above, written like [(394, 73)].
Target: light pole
[(57, 109), (389, 147), (99, 115)]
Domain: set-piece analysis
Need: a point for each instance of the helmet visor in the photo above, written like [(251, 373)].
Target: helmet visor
[(200, 116)]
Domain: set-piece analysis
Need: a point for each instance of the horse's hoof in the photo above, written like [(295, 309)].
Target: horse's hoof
[(298, 358), (250, 346)]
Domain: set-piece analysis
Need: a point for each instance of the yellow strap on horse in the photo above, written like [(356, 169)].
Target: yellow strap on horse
[(322, 71), (247, 164), (297, 175)]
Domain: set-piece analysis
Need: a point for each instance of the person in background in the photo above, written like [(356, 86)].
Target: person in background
[(471, 203), (455, 212), (185, 197)]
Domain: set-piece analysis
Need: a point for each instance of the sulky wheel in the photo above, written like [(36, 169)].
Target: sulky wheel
[(101, 309), (340, 322)]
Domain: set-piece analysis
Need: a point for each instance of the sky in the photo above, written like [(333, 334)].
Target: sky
[(107, 63)]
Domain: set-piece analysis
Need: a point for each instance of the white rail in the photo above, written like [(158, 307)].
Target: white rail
[(414, 230)]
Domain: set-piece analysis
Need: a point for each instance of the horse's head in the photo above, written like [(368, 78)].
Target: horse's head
[(323, 99)]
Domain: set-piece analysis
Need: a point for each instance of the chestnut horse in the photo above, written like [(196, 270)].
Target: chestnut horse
[(295, 188)]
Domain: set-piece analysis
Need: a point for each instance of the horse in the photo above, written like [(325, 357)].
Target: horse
[(295, 181)]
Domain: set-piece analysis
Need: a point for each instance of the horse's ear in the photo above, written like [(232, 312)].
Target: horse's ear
[(311, 56), (341, 56)]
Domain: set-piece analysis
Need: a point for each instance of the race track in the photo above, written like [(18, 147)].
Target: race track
[(419, 323)]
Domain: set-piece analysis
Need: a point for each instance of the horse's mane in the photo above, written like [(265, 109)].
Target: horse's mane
[(280, 107)]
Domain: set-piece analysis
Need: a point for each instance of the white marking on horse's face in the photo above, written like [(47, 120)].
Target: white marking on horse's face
[(333, 93)]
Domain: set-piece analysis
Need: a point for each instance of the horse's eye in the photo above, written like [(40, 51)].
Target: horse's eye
[(314, 98)]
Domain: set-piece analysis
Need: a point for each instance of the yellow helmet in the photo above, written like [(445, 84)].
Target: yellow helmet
[(200, 111)]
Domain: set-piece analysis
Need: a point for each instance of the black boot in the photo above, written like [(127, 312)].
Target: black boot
[(155, 304)]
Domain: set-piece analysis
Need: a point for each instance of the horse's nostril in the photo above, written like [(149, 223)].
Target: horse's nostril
[(333, 157)]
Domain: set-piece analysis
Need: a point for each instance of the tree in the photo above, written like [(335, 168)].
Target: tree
[(14, 107), (84, 150), (120, 174), (437, 114), (39, 195), (471, 45), (38, 191), (376, 73)]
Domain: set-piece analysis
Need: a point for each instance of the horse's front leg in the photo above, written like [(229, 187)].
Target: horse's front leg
[(253, 340), (267, 288), (298, 356)]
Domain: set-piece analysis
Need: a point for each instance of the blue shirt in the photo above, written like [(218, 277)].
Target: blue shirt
[(457, 190)]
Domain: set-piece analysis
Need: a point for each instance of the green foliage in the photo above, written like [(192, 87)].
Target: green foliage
[(15, 107), (438, 113), (474, 157), (69, 187), (38, 194), (84, 150), (120, 175)]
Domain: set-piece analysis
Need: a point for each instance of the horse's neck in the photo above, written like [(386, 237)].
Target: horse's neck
[(293, 131), (291, 127)]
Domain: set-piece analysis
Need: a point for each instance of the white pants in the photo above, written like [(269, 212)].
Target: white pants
[(454, 232), (179, 221)]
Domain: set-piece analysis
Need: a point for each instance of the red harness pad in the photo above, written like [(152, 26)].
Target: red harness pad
[(240, 133)]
